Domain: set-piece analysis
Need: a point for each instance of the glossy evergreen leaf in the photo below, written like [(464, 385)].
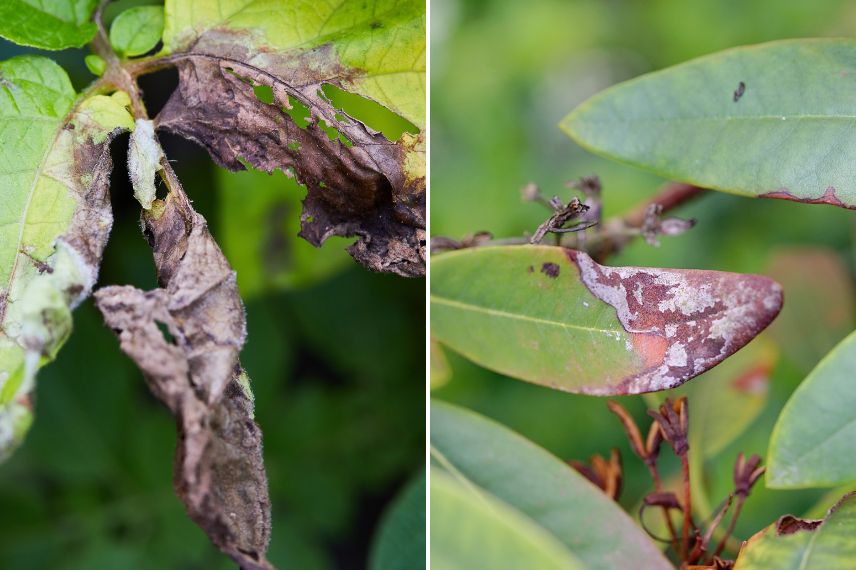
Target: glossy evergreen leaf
[(469, 530), (55, 218), (554, 317), (500, 465), (137, 30), (47, 24), (796, 544), (770, 120), (814, 440)]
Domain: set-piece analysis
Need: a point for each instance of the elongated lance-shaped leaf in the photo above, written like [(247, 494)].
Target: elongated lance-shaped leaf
[(473, 531), (795, 544), (496, 463), (55, 218), (814, 440), (772, 120), (554, 317), (252, 76), (48, 24)]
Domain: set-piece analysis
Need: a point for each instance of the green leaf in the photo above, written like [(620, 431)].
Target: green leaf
[(400, 543), (786, 133), (382, 43), (555, 317), (794, 544), (499, 465), (95, 64), (48, 24), (273, 88), (137, 30), (473, 531), (54, 219), (812, 442)]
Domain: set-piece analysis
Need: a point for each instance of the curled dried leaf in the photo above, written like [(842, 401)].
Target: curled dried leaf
[(219, 471)]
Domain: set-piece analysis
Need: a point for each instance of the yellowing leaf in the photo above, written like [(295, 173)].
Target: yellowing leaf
[(54, 219)]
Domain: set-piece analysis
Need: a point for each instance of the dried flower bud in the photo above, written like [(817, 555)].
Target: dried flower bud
[(605, 474), (746, 473), (673, 418)]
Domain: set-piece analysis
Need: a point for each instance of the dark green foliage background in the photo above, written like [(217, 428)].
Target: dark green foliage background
[(502, 76), (337, 366)]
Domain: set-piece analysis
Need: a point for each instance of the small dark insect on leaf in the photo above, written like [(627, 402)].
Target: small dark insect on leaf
[(738, 93)]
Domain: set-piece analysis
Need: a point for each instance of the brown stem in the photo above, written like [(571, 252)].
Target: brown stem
[(658, 487), (670, 197), (739, 505), (685, 535), (618, 232)]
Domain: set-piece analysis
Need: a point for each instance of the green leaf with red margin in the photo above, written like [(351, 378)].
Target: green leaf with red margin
[(554, 317), (772, 120)]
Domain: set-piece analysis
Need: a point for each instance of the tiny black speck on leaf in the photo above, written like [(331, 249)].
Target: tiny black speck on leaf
[(738, 93), (550, 270)]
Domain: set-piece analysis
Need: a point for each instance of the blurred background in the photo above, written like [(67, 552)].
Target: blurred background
[(336, 355), (503, 74)]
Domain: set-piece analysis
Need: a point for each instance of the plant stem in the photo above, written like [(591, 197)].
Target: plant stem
[(685, 536), (619, 232), (658, 487), (115, 75)]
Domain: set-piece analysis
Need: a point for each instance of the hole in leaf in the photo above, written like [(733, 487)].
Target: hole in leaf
[(263, 93), (370, 113), (165, 332), (294, 145), (333, 133), (299, 112)]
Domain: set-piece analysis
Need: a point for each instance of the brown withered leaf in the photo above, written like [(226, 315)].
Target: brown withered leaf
[(359, 189), (219, 471)]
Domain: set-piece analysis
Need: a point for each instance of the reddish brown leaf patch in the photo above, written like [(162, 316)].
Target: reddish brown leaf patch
[(682, 322), (828, 197)]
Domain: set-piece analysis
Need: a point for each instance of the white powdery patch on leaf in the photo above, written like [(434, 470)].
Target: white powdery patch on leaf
[(144, 156), (704, 316)]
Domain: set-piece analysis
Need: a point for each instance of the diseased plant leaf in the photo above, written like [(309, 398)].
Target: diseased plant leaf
[(498, 464), (48, 24), (555, 317), (219, 471), (730, 397), (137, 30), (771, 120), (400, 542), (359, 183), (813, 441), (55, 218), (469, 530), (795, 544), (820, 291)]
